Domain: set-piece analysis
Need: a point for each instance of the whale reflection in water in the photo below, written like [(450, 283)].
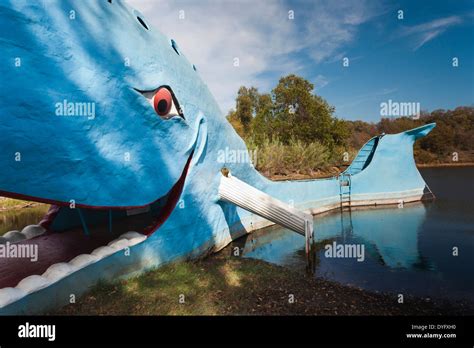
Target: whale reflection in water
[(389, 237)]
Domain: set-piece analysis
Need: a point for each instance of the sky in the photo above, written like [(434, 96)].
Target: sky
[(399, 56)]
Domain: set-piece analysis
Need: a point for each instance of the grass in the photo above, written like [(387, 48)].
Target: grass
[(207, 291), (16, 214), (224, 285), (10, 203), (296, 158)]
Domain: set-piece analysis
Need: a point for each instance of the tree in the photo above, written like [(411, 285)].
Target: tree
[(235, 122), (299, 114), (246, 104), (263, 123), (292, 114)]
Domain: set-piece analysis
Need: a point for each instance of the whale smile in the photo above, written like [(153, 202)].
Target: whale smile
[(60, 253), (103, 231)]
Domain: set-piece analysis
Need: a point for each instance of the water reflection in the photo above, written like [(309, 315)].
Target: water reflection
[(408, 250), (390, 240)]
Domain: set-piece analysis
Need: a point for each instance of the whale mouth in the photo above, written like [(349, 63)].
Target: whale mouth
[(42, 254), (70, 238)]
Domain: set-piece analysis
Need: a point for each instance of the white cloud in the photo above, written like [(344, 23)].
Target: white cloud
[(259, 33), (320, 82), (426, 32), (333, 26)]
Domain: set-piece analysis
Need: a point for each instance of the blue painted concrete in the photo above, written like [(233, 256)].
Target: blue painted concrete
[(103, 56)]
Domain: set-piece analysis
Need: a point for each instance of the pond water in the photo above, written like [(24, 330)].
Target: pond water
[(406, 250)]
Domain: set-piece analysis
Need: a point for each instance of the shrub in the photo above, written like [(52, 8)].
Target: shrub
[(274, 157)]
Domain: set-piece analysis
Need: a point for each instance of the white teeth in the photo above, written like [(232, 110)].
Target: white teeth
[(131, 235), (9, 234), (103, 251), (58, 271), (136, 240), (28, 232), (33, 283), (127, 240), (9, 295), (14, 236), (83, 260), (32, 231), (119, 244), (133, 238)]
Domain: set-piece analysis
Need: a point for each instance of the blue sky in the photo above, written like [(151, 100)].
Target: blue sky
[(405, 60)]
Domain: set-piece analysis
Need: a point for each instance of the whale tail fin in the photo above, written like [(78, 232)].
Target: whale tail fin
[(366, 153), (421, 131), (385, 168)]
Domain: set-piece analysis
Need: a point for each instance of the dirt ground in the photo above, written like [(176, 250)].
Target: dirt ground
[(226, 285)]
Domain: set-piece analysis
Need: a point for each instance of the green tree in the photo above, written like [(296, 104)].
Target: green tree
[(263, 123), (246, 104), (235, 122), (299, 114)]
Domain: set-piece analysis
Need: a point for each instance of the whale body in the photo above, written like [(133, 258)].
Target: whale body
[(81, 130)]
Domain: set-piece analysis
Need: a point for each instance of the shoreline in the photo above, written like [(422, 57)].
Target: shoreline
[(449, 164), (230, 285), (335, 170)]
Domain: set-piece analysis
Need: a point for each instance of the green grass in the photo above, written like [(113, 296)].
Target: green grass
[(207, 290), (226, 285), (16, 214), (276, 158), (8, 203)]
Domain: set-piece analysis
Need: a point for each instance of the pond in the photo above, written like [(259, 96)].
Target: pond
[(407, 250)]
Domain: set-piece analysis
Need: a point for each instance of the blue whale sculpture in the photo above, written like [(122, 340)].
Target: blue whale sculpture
[(104, 118)]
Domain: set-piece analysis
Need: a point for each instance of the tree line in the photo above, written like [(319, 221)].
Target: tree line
[(292, 125)]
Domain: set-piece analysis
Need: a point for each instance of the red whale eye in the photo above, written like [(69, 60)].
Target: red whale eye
[(163, 101)]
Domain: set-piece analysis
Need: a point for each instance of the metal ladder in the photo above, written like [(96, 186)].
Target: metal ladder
[(345, 190)]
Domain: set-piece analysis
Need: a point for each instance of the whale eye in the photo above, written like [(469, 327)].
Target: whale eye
[(163, 103)]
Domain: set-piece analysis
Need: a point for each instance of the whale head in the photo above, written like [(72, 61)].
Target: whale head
[(97, 107), (104, 118)]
